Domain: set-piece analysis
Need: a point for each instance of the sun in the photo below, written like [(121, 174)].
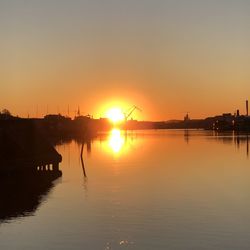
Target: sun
[(115, 115)]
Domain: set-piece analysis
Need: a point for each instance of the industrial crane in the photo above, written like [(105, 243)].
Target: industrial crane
[(130, 111)]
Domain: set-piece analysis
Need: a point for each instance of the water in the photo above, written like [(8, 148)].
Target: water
[(143, 190)]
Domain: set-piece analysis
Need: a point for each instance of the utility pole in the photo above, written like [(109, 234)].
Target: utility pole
[(78, 111)]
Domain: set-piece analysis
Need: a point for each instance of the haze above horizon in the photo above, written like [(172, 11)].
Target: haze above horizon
[(167, 57)]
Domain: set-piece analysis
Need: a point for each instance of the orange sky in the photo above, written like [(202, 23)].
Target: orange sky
[(167, 57)]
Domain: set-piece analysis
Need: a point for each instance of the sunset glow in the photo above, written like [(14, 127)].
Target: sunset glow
[(125, 124), (115, 115)]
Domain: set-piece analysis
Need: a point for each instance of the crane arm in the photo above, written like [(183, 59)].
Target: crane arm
[(130, 111)]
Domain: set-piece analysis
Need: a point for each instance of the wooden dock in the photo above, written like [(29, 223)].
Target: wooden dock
[(23, 147)]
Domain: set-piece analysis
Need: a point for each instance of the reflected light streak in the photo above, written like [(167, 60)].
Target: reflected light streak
[(116, 140)]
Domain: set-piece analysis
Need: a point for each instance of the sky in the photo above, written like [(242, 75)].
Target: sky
[(168, 57)]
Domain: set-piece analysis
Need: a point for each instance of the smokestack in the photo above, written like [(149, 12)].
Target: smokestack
[(247, 106)]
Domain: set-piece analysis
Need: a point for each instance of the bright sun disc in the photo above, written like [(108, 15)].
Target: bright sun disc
[(115, 115)]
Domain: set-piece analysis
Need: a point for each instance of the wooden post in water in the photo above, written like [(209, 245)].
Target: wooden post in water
[(82, 162)]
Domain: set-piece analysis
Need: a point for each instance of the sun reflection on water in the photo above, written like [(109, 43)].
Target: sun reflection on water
[(116, 140)]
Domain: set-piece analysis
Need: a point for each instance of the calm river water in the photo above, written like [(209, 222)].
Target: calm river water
[(169, 189)]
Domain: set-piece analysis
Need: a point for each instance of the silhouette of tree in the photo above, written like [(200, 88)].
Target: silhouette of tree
[(6, 112)]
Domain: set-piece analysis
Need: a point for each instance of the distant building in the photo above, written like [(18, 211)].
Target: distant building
[(186, 118)]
